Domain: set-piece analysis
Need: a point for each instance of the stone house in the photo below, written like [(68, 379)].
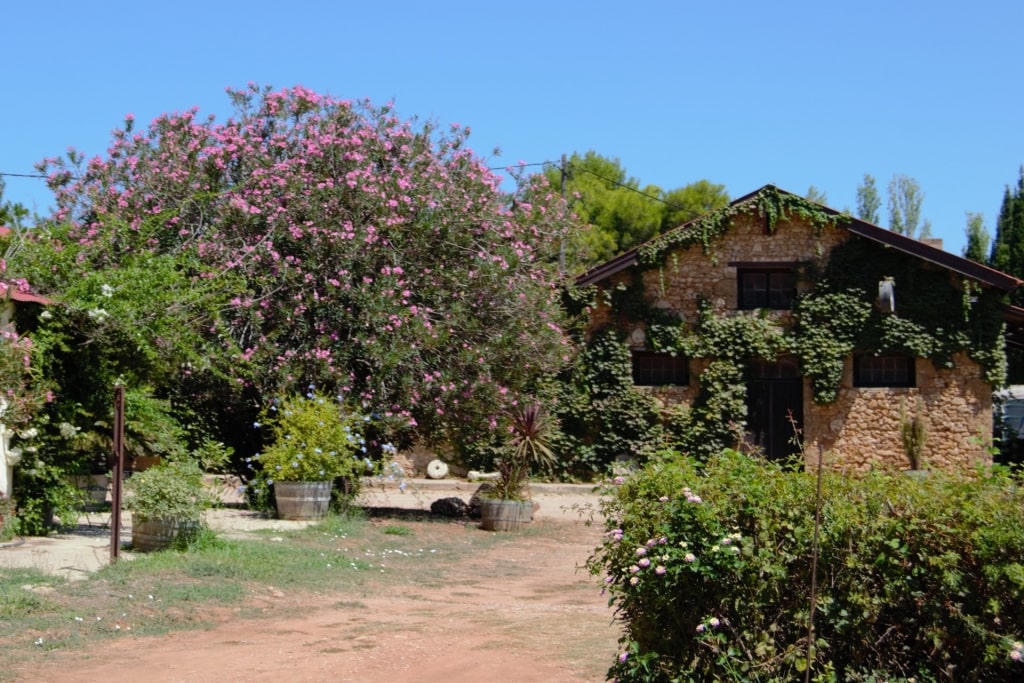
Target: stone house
[(839, 336)]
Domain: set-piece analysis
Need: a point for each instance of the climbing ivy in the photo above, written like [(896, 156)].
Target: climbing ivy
[(601, 414), (770, 203), (826, 332), (937, 314)]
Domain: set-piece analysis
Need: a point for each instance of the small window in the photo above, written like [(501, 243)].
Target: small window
[(652, 369), (785, 367), (883, 371), (766, 288)]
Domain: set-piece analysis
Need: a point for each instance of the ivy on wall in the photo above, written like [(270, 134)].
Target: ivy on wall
[(937, 314), (770, 203), (601, 414)]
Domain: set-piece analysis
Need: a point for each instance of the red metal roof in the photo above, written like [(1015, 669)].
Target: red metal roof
[(13, 293)]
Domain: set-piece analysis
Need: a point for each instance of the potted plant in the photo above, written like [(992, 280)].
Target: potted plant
[(167, 502), (507, 505), (314, 440)]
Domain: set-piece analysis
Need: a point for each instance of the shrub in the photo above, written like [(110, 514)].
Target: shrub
[(709, 568), (309, 239), (316, 438), (173, 490)]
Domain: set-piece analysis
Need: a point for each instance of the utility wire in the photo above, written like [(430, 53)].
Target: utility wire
[(625, 186), (690, 213), (22, 175), (508, 166), (568, 165)]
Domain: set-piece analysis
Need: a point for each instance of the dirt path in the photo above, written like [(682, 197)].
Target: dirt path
[(518, 610)]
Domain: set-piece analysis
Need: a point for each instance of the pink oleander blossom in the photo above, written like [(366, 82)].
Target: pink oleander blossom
[(361, 249)]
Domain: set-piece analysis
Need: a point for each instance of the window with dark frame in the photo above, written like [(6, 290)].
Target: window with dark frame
[(766, 288), (883, 371), (652, 369)]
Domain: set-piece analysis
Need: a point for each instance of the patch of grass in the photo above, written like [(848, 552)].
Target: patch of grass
[(24, 592), (397, 530)]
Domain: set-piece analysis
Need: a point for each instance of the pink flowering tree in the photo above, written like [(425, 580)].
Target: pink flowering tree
[(336, 246), (21, 392)]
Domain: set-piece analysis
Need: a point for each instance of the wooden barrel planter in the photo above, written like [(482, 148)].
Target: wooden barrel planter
[(157, 533), (504, 515), (302, 500)]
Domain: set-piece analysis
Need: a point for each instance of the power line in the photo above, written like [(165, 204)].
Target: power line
[(689, 212), (22, 175), (508, 166), (671, 205)]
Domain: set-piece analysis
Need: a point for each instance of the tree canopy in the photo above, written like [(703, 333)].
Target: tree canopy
[(905, 199), (310, 241), (618, 212), (978, 239), (868, 201)]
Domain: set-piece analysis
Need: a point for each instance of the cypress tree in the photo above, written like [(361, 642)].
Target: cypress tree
[(1007, 252)]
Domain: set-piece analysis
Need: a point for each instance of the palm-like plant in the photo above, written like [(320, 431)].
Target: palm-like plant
[(530, 428)]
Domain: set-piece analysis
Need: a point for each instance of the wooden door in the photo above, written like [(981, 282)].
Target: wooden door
[(775, 405)]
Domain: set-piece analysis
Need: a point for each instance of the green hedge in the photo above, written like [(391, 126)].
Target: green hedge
[(709, 567)]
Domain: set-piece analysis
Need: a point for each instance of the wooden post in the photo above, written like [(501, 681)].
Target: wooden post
[(115, 499)]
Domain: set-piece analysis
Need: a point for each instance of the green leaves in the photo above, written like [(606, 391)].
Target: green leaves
[(172, 490), (828, 325), (314, 438), (913, 575)]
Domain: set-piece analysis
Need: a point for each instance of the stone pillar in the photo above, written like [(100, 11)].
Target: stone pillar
[(8, 457), (7, 462)]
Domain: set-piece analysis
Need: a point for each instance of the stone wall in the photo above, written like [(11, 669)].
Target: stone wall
[(861, 429), (690, 273)]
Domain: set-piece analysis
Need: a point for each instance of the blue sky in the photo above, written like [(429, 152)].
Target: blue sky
[(793, 93)]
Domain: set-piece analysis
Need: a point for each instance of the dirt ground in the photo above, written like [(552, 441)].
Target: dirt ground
[(519, 610)]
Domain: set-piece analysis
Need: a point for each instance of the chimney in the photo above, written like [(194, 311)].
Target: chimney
[(933, 242)]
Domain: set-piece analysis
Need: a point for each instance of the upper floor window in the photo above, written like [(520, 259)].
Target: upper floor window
[(766, 287), (651, 369), (883, 371)]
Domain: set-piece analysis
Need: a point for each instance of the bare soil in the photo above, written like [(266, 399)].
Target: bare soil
[(519, 609)]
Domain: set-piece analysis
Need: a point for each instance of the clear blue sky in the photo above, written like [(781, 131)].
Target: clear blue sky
[(794, 93)]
